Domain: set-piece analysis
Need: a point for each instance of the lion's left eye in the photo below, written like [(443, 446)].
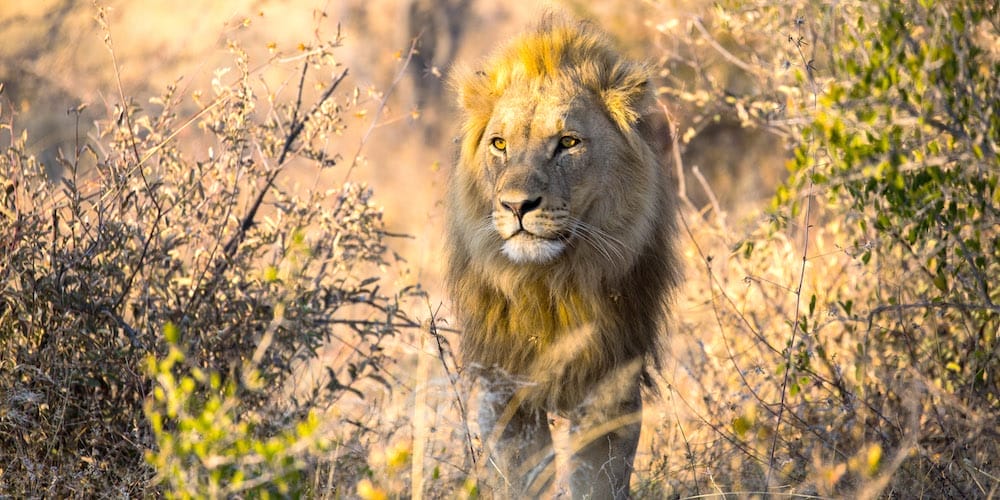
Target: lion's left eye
[(568, 141)]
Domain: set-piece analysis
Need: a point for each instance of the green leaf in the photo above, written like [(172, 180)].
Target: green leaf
[(741, 425), (941, 282)]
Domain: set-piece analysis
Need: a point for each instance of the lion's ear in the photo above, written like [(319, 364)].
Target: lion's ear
[(628, 94), (623, 105), (656, 127), (633, 107), (475, 101), (473, 90)]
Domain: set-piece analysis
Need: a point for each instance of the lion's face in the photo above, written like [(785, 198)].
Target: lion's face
[(548, 159)]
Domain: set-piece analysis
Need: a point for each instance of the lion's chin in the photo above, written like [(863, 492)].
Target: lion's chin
[(526, 249)]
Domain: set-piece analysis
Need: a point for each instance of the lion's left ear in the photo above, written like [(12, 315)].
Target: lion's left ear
[(656, 128), (633, 107), (628, 96)]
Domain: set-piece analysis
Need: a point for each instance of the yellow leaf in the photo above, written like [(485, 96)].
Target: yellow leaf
[(270, 274), (171, 333), (368, 491), (874, 459), (398, 456)]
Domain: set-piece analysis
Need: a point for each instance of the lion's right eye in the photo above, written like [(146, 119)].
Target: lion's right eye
[(568, 141), (499, 143)]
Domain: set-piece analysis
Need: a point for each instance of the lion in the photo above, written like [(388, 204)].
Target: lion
[(561, 232)]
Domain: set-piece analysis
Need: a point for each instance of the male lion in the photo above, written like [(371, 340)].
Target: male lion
[(561, 233)]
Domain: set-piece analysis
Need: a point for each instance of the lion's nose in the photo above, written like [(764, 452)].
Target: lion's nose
[(521, 207)]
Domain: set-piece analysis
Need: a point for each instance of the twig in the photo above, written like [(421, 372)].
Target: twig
[(442, 354), (747, 450), (687, 446), (127, 116), (714, 281), (930, 305), (381, 106), (678, 162), (719, 48), (984, 289), (729, 350), (789, 352), (711, 196)]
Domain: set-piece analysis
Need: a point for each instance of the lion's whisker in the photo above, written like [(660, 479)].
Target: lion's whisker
[(600, 240), (485, 226), (616, 243), (597, 243), (604, 234), (594, 241)]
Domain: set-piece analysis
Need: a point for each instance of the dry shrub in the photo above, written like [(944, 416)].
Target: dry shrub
[(254, 281)]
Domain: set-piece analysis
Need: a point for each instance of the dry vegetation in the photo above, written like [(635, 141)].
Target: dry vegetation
[(177, 318)]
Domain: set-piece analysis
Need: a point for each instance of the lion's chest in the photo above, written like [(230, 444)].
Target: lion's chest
[(537, 315)]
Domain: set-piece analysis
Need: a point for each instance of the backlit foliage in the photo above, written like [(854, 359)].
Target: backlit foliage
[(853, 350)]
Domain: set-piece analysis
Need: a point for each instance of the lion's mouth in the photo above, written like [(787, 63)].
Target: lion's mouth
[(524, 248)]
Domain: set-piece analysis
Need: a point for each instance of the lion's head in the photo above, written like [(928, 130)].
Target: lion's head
[(560, 221)]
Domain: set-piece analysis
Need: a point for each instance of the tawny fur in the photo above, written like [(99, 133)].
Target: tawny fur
[(566, 324)]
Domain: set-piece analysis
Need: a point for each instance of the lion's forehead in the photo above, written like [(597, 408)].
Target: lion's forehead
[(536, 113)]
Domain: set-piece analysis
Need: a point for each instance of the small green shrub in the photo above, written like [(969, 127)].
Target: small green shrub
[(206, 444)]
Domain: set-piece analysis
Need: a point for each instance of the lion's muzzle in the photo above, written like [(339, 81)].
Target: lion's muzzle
[(530, 229)]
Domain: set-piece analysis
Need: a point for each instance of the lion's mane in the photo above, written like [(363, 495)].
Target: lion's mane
[(564, 326)]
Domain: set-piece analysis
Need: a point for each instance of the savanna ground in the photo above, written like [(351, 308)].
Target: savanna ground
[(221, 240)]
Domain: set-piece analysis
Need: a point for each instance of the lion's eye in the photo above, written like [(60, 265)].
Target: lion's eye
[(499, 143), (567, 141)]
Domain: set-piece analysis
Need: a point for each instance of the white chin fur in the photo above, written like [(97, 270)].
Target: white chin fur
[(523, 250)]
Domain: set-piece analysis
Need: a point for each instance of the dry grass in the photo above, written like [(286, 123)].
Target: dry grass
[(807, 358)]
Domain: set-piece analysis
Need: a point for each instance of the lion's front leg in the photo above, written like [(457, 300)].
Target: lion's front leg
[(518, 444), (604, 435)]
